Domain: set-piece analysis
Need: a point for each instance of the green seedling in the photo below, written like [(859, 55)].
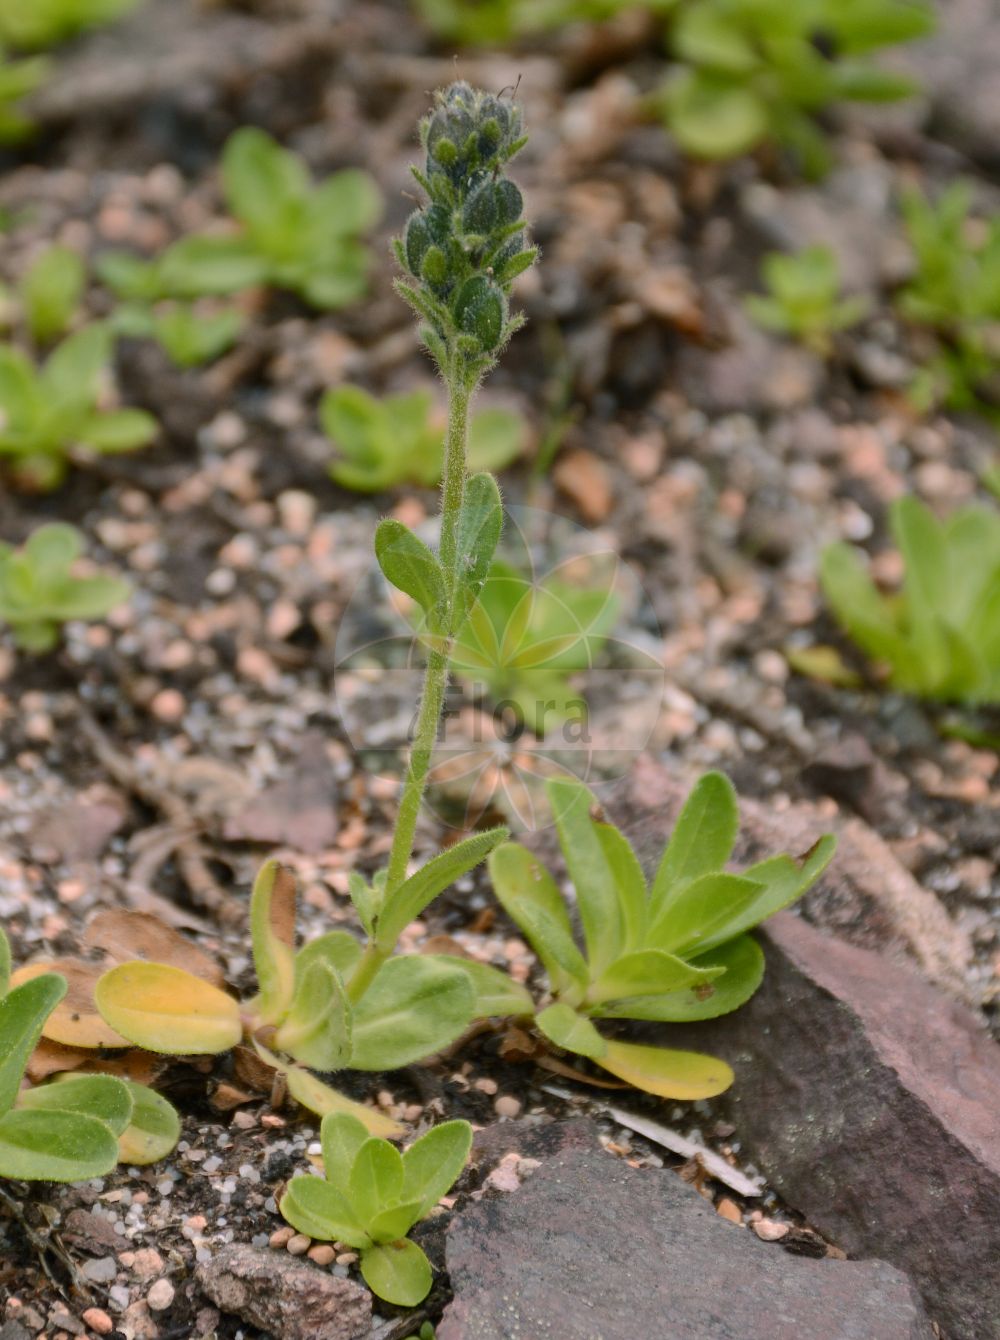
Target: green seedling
[(372, 1195), (757, 70), (18, 78), (384, 443), (39, 590), (33, 25), (292, 234), (674, 951), (188, 336), (804, 298), (47, 412), (48, 294), (77, 1126), (939, 637), (494, 22), (954, 292), (524, 640)]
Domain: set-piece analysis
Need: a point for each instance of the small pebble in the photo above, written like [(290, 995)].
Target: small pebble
[(728, 1209), (298, 1244), (323, 1254), (160, 1296), (281, 1237), (506, 1106), (97, 1320), (769, 1231)]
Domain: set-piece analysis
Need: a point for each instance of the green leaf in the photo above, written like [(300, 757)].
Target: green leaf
[(52, 548), (479, 525), (589, 870), (703, 838), (118, 430), (409, 565), (700, 914), (742, 965), (784, 880), (376, 1179), (153, 1131), (434, 1162), (312, 1206), (563, 1026), (209, 266), (685, 1076), (393, 1222), (55, 1146), (629, 882), (858, 607), (422, 887), (272, 936), (413, 1008), (317, 1030), (339, 949), (399, 1272), (100, 1096), (530, 897), (127, 276), (259, 177), (71, 376), (647, 972), (23, 1013), (366, 904), (50, 291), (921, 542), (713, 117), (349, 202), (497, 994), (342, 1136)]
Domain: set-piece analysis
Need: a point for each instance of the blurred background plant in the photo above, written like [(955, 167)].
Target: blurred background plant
[(803, 298)]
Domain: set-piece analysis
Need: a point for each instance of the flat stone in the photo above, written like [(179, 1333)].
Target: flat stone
[(872, 1102), (592, 1249), (532, 1140), (284, 1295)]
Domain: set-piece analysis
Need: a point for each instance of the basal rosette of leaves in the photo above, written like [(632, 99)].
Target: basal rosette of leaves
[(371, 1195), (398, 440), (292, 233), (803, 298), (757, 70), (939, 636), (673, 951), (954, 292), (466, 246), (51, 411), (76, 1126), (39, 590)]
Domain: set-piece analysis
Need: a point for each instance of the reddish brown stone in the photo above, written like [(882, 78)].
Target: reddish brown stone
[(872, 1102), (287, 1297)]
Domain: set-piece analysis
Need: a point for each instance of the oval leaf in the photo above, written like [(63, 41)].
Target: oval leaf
[(168, 1010), (76, 1021), (407, 902), (313, 1206), (55, 1146), (376, 1179), (317, 1031), (409, 565), (413, 1008), (399, 1272), (566, 1028), (23, 1012), (101, 1096), (434, 1162), (272, 932), (153, 1131)]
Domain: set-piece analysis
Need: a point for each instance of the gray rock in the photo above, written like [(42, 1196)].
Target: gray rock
[(285, 1296), (591, 1249), (872, 1102)]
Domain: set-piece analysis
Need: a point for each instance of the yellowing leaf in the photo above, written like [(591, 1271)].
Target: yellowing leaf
[(322, 1099), (168, 1010), (670, 1074), (272, 930), (75, 1022)]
